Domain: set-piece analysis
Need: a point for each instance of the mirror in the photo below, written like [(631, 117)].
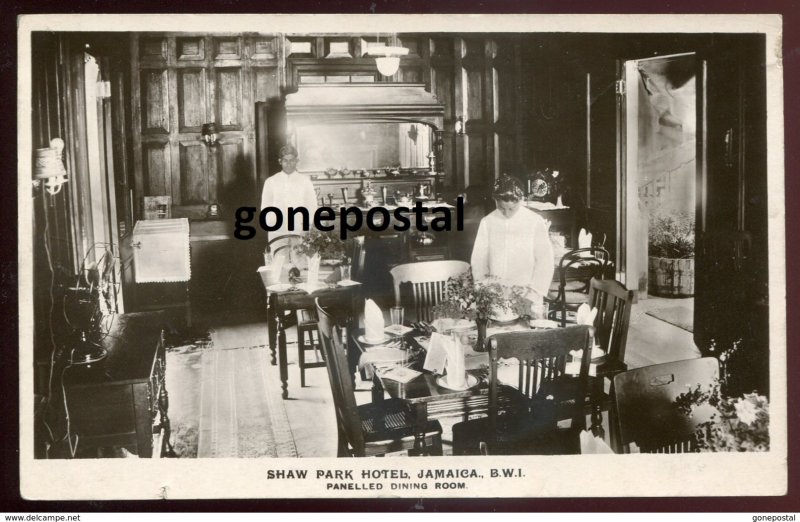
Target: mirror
[(364, 127), (362, 145)]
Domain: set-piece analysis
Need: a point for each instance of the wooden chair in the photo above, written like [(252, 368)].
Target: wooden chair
[(575, 270), (646, 407), (613, 302), (283, 244), (524, 420), (427, 281), (370, 429), (306, 319)]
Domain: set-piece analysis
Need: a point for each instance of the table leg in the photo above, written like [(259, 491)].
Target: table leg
[(282, 363), (420, 422), (163, 408), (272, 325)]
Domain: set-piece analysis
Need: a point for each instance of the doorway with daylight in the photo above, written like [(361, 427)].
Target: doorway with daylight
[(662, 162)]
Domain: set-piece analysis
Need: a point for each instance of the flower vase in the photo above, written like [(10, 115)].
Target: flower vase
[(313, 269), (482, 323)]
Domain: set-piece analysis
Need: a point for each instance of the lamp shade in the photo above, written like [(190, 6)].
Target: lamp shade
[(387, 65), (48, 166), (387, 57), (47, 162)]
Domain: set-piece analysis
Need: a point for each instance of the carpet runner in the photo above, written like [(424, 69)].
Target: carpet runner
[(241, 412)]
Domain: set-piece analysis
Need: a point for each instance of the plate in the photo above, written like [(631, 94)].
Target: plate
[(280, 287), (470, 382), (364, 340)]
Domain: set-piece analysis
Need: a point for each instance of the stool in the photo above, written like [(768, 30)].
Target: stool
[(306, 326)]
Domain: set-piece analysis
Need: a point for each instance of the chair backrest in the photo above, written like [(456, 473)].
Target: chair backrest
[(646, 405), (348, 420), (358, 260), (583, 264), (427, 281), (542, 356), (283, 244), (613, 302), (576, 269)]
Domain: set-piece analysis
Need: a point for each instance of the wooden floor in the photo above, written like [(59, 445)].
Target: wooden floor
[(310, 409)]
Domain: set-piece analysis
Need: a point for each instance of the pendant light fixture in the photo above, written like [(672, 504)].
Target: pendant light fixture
[(387, 57)]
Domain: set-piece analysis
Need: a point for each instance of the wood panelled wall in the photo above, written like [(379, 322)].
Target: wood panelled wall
[(518, 102), (181, 81), (483, 82), (54, 252)]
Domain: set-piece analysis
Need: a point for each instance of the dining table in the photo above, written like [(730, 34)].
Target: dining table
[(426, 394), (343, 298)]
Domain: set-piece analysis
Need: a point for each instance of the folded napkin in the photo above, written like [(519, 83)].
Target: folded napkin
[(436, 354), (455, 363), (586, 315), (584, 239), (313, 269), (373, 322), (268, 277), (591, 445), (277, 264)]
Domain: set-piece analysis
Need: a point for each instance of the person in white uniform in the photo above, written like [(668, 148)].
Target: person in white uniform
[(513, 244), (288, 188)]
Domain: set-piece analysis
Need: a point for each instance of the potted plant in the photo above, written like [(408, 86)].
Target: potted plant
[(671, 255), (736, 423), (325, 248), (330, 248), (466, 298)]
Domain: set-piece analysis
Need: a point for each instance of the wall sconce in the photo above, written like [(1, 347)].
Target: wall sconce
[(459, 126), (209, 134), (387, 57), (49, 165)]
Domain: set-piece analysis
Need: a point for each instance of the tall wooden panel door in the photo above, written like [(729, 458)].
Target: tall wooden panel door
[(182, 82)]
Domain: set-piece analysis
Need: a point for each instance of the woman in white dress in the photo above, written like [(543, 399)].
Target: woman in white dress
[(513, 244)]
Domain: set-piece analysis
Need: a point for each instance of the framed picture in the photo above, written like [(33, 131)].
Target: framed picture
[(157, 207)]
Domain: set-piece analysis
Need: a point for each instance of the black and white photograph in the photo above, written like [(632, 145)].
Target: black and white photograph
[(255, 247)]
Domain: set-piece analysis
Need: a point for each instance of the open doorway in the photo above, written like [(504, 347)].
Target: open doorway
[(663, 158)]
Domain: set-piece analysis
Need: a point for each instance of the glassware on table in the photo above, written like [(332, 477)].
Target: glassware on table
[(396, 315), (344, 272), (539, 310)]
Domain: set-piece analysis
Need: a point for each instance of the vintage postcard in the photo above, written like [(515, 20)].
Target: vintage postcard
[(502, 252)]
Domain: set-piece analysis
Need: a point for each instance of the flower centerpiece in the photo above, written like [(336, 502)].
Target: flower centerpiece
[(466, 298), (671, 254), (736, 424), (330, 248), (322, 248)]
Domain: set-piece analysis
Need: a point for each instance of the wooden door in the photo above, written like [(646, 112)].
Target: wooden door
[(181, 82)]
